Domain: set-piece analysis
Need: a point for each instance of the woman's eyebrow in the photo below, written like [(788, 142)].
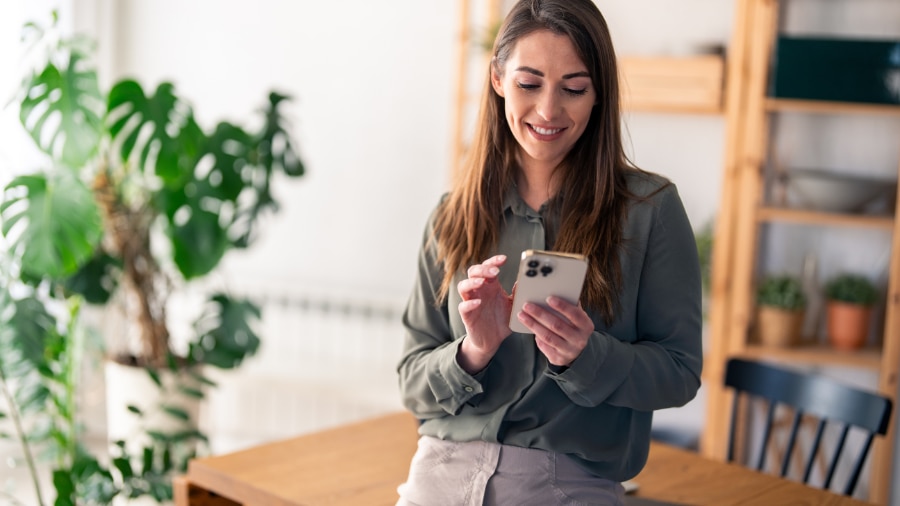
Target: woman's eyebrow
[(538, 73)]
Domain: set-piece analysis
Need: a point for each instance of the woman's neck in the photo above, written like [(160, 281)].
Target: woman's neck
[(535, 187)]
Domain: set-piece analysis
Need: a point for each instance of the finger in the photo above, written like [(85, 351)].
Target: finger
[(554, 355), (573, 312), (468, 288), (468, 306), (491, 266), (550, 320), (536, 327), (483, 271)]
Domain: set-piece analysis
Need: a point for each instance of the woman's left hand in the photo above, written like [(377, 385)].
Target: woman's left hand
[(561, 334)]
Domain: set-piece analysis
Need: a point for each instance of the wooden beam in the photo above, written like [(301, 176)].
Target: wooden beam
[(883, 451)]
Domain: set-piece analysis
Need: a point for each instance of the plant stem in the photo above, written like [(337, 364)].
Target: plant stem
[(72, 370), (20, 433)]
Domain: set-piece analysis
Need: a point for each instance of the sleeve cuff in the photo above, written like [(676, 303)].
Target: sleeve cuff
[(453, 387), (596, 373)]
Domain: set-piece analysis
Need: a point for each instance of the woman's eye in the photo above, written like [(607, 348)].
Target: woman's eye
[(580, 92), (527, 86)]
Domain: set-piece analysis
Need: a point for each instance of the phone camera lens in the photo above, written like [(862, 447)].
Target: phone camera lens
[(533, 263), (531, 273), (546, 270)]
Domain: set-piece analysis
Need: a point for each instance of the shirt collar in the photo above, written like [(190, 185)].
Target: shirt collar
[(513, 202)]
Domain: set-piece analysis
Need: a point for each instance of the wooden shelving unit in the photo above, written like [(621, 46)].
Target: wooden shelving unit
[(744, 212)]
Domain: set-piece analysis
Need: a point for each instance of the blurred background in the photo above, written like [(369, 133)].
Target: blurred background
[(374, 89)]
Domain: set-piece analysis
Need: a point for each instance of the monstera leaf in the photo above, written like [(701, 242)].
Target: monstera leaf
[(275, 148), (27, 332), (226, 332), (198, 241), (97, 279), (157, 133), (217, 209), (201, 212), (25, 326), (52, 223), (63, 112), (274, 151)]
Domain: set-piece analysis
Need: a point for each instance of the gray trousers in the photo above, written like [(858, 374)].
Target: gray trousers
[(476, 473)]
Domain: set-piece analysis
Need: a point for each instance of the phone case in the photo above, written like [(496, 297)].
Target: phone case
[(545, 273)]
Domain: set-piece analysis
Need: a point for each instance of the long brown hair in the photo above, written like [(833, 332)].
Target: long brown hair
[(592, 196)]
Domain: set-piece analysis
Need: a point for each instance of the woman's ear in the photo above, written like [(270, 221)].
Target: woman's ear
[(496, 81)]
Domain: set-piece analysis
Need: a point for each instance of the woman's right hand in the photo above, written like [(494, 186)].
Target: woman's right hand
[(484, 309)]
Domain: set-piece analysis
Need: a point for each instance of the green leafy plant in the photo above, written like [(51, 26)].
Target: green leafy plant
[(852, 289), (138, 197), (135, 201), (785, 292), (40, 363), (41, 357)]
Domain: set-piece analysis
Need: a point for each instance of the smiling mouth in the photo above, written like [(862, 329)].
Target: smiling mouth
[(545, 131)]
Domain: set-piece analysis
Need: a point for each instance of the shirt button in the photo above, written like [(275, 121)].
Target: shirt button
[(468, 389)]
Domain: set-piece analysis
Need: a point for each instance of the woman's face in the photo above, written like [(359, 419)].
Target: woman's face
[(548, 97)]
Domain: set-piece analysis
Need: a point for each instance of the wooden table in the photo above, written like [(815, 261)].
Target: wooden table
[(361, 464)]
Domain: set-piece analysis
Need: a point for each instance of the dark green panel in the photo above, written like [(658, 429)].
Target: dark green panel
[(847, 70)]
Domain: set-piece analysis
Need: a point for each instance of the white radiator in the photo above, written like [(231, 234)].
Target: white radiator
[(322, 362)]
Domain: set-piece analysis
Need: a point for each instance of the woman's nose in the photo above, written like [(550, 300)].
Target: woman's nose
[(548, 104)]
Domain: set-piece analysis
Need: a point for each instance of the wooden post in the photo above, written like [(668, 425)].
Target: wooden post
[(713, 440), (462, 64), (883, 451)]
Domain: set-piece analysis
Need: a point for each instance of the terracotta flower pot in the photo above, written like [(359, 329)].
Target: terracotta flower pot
[(848, 325), (779, 327)]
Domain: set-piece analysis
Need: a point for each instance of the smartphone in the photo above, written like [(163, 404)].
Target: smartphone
[(545, 273)]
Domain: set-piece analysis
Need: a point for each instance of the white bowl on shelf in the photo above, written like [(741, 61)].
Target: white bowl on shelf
[(822, 190)]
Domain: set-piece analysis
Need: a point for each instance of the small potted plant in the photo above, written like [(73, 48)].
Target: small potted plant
[(850, 301), (781, 306)]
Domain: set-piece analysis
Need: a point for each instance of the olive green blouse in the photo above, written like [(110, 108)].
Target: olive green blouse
[(598, 410)]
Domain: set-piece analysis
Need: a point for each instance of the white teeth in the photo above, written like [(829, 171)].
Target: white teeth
[(546, 131)]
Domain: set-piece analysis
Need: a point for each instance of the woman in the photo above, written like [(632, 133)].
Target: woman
[(561, 416)]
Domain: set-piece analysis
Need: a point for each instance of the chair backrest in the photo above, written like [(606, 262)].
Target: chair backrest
[(826, 399)]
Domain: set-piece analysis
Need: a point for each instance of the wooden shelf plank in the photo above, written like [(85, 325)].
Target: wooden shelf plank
[(824, 107), (816, 355), (775, 214)]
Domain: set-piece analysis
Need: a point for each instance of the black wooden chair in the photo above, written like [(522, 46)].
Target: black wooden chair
[(826, 399)]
